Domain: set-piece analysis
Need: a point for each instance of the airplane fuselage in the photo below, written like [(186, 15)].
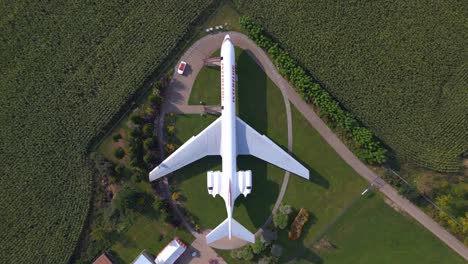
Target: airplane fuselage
[(228, 122)]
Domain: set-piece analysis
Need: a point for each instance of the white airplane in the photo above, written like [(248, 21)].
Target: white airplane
[(229, 136)]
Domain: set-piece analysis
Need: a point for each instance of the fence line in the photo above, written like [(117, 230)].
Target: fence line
[(424, 196)]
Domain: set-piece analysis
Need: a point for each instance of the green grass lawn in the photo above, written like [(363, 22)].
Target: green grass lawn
[(332, 187), (145, 233), (373, 232), (206, 87)]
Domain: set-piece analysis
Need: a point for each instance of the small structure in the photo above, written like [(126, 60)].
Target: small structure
[(144, 258), (103, 259), (298, 223), (171, 252)]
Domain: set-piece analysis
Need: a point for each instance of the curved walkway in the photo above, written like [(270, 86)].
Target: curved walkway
[(177, 102)]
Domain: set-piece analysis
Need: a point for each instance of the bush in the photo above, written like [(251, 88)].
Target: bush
[(148, 129), (149, 157), (119, 169), (276, 250), (116, 137), (158, 204), (280, 220), (285, 209), (267, 260), (136, 119), (246, 253), (126, 198), (148, 143), (135, 133), (119, 153), (259, 246)]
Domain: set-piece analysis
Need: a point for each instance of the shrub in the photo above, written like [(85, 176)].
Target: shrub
[(170, 147), (259, 246), (136, 119), (119, 153), (247, 253), (276, 250), (148, 129), (149, 157), (116, 137), (280, 220), (175, 196), (148, 143), (126, 198), (119, 169), (158, 204)]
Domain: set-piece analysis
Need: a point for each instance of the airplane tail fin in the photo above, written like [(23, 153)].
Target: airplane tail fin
[(228, 228)]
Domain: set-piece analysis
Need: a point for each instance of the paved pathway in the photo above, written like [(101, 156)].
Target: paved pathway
[(178, 102)]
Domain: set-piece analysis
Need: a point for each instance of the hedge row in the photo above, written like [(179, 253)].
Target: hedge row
[(367, 146)]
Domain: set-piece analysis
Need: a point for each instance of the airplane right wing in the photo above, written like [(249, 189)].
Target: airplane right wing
[(250, 142), (207, 142)]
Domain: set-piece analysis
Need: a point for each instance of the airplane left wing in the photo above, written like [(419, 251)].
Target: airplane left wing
[(207, 142), (250, 142)]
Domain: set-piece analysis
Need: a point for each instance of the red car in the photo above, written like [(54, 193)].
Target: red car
[(181, 68)]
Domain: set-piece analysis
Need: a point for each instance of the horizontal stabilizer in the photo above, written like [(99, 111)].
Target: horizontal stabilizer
[(237, 230)]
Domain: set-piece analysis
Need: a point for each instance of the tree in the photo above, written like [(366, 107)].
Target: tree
[(149, 157), (267, 260), (280, 220), (119, 169), (175, 196), (136, 119), (119, 153), (148, 129), (116, 137), (148, 143), (135, 133), (246, 253), (464, 222), (127, 198), (285, 209), (236, 254), (276, 250), (259, 246), (98, 233), (155, 98), (158, 204)]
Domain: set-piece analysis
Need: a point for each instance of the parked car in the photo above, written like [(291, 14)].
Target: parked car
[(181, 68)]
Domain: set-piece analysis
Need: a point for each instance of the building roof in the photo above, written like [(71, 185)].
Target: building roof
[(144, 258), (103, 259), (171, 252)]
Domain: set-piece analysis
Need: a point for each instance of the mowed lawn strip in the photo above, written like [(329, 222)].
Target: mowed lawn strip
[(373, 232), (333, 185)]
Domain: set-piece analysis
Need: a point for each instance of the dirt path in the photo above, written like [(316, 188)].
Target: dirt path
[(177, 102)]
